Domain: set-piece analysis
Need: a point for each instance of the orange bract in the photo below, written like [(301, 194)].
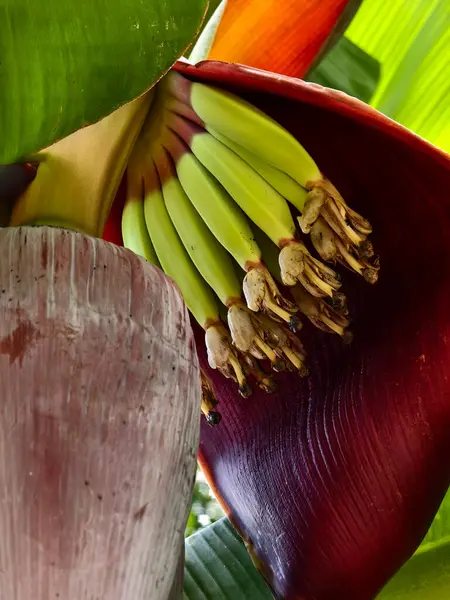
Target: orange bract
[(283, 37)]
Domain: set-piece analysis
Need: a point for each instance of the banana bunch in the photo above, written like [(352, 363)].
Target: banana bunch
[(209, 183)]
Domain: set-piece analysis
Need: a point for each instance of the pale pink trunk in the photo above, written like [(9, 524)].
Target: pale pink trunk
[(99, 419)]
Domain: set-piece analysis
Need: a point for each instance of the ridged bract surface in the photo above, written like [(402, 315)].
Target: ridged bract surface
[(335, 479), (99, 413)]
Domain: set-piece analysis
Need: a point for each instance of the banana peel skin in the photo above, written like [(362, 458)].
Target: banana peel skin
[(332, 481)]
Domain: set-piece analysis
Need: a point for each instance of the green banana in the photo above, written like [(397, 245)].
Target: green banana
[(215, 206), (258, 200), (210, 178), (246, 125), (229, 226), (172, 255), (134, 230), (265, 207), (209, 256), (226, 114), (197, 295), (216, 267), (280, 181)]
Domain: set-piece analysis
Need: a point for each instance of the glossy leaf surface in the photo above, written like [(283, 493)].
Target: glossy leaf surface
[(218, 567), (411, 41), (348, 69), (67, 64)]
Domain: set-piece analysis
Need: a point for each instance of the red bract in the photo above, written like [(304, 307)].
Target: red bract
[(333, 481)]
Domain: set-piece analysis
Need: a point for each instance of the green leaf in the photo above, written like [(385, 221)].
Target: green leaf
[(439, 531), (66, 64), (426, 576), (349, 69), (411, 41), (218, 567)]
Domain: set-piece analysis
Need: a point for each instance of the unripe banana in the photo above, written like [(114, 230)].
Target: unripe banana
[(172, 255), (280, 181), (134, 230), (256, 132), (259, 200), (229, 226), (206, 166), (246, 125), (176, 263), (209, 256), (215, 206)]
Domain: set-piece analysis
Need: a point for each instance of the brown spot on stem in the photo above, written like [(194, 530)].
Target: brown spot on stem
[(17, 342), (44, 254), (139, 515)]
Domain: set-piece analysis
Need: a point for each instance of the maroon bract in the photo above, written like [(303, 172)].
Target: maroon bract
[(334, 480)]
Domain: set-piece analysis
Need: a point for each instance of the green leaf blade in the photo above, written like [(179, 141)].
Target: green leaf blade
[(411, 42), (65, 64), (218, 567), (349, 69), (426, 576)]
